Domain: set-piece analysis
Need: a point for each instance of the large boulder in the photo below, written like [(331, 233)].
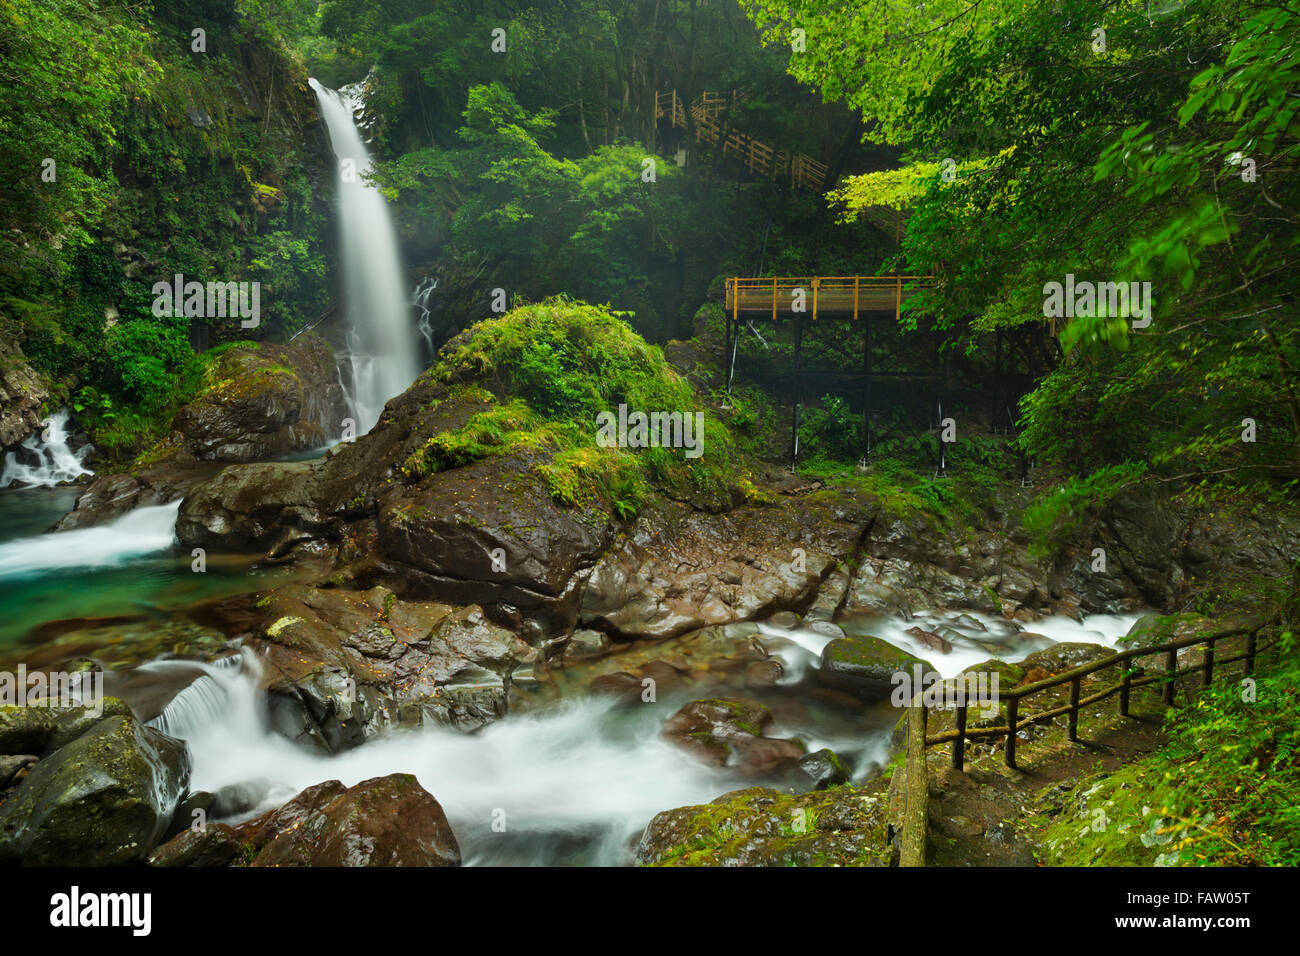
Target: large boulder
[(262, 402), (384, 821), (868, 665), (762, 827), (340, 665), (682, 569), (104, 799), (42, 730)]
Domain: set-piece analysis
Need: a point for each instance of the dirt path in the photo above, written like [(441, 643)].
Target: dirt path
[(991, 815)]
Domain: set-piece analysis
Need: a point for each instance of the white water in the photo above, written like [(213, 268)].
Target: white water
[(58, 462), (420, 299), (135, 534), (381, 335), (807, 643), (582, 770)]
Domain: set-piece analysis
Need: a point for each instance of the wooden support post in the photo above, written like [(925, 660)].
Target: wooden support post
[(726, 358), (866, 384), (773, 298), (959, 745), (997, 381), (898, 301), (1171, 667), (1013, 708), (1074, 709), (798, 384), (735, 301), (1209, 662), (857, 281), (1125, 689), (816, 284)]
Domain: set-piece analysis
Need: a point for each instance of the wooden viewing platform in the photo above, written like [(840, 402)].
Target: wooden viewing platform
[(828, 297), (825, 296)]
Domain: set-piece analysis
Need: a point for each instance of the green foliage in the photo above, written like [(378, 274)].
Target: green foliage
[(1220, 793), (1060, 513)]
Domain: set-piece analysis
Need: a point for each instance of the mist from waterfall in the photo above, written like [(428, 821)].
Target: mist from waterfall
[(381, 335)]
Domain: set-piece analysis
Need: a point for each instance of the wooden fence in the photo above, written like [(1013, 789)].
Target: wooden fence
[(841, 296), (759, 158), (917, 776)]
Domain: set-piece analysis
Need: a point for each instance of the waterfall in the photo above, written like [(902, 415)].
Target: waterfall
[(381, 337), (45, 459), (421, 300)]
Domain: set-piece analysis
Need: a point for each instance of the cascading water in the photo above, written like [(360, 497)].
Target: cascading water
[(381, 335), (46, 460), (421, 300), (137, 533), (577, 781)]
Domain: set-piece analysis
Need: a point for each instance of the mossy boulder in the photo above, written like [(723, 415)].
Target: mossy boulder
[(261, 402), (42, 730), (1065, 656), (842, 826), (868, 665), (104, 799)]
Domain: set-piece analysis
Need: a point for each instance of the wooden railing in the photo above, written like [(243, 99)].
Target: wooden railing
[(843, 296), (760, 158), (916, 779)]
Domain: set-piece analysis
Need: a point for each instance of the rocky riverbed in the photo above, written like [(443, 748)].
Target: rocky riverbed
[(424, 660)]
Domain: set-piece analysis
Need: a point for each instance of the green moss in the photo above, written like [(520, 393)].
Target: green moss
[(559, 365)]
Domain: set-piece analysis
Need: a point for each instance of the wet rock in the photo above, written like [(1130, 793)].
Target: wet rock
[(931, 640), (1063, 657), (867, 665), (762, 675), (668, 680), (263, 402), (384, 821), (763, 827), (11, 766), (104, 799), (341, 665), (42, 730), (626, 688), (822, 768), (586, 645), (239, 798), (215, 844), (682, 570), (728, 732)]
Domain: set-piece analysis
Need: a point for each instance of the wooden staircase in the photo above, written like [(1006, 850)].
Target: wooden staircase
[(758, 157)]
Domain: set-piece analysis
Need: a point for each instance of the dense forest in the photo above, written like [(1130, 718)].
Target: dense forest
[(1077, 426)]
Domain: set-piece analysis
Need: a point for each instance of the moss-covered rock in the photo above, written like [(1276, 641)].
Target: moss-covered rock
[(867, 665), (104, 799), (842, 826), (41, 730)]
